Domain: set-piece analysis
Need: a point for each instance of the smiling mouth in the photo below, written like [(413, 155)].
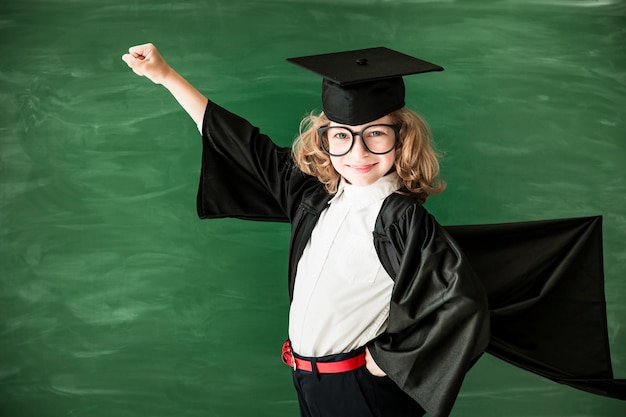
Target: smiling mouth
[(361, 168)]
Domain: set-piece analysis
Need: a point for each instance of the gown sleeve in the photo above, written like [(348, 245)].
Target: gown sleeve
[(545, 283), (438, 319), (243, 173)]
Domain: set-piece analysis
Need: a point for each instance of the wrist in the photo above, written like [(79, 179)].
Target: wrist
[(169, 78)]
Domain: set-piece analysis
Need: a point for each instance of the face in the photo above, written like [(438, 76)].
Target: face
[(359, 166)]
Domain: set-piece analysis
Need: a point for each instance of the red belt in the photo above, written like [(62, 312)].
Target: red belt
[(322, 367)]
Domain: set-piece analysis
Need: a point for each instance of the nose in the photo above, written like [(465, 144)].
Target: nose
[(358, 149)]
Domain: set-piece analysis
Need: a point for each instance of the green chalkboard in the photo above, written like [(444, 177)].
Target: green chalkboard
[(115, 300)]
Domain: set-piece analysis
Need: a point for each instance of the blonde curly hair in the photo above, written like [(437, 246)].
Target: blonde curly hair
[(416, 160)]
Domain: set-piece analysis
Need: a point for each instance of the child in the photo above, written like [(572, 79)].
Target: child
[(386, 314)]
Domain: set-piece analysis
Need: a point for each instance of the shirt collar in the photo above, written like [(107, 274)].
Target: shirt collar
[(361, 196)]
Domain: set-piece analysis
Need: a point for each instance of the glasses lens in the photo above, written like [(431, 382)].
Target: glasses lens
[(379, 138), (337, 140)]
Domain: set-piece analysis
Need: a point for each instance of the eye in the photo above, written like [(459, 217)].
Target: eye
[(338, 133), (377, 131)]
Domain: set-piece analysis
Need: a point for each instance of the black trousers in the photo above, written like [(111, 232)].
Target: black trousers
[(356, 393)]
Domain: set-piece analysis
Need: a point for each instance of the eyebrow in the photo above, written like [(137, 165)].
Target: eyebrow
[(361, 127)]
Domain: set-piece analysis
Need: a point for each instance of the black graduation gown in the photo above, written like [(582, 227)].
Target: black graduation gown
[(438, 323)]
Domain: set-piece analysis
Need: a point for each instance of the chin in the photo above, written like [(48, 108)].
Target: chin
[(361, 182)]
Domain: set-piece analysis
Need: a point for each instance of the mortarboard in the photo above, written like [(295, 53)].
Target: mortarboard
[(365, 84)]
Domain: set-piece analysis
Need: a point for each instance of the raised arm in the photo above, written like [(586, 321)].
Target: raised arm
[(146, 61)]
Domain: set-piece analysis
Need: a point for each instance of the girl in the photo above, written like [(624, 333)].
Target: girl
[(386, 314)]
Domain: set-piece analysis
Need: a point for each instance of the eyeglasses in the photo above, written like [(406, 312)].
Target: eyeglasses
[(376, 139)]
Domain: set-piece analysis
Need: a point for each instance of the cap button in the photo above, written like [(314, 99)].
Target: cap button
[(361, 61)]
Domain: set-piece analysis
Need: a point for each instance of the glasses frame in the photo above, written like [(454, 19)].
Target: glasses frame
[(322, 130)]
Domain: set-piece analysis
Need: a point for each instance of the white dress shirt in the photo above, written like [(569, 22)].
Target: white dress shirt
[(342, 292)]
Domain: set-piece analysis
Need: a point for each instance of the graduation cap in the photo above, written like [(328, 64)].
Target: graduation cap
[(365, 84)]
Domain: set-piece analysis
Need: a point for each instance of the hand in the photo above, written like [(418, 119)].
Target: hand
[(146, 61), (371, 366)]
